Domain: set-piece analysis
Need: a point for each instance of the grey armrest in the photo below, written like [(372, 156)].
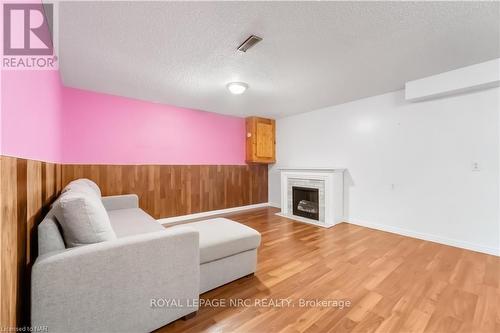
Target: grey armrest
[(111, 286), (125, 201)]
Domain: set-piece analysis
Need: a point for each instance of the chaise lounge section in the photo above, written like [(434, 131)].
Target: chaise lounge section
[(228, 251)]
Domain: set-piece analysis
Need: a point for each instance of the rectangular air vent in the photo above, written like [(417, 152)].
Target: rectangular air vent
[(249, 42)]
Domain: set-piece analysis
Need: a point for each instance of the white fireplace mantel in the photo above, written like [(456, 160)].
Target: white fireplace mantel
[(333, 180)]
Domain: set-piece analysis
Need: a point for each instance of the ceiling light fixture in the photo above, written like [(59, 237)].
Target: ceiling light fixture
[(237, 88)]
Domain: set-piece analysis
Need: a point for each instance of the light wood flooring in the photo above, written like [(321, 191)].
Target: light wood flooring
[(395, 283)]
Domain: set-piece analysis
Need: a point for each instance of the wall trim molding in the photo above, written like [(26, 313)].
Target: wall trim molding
[(427, 237), (119, 164), (29, 158), (181, 218)]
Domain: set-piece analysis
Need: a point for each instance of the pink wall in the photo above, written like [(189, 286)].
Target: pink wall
[(100, 128), (31, 114), (42, 120)]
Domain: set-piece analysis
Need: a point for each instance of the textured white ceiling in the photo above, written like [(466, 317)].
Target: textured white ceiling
[(313, 54)]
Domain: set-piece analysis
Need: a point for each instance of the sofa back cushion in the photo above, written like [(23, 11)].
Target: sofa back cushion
[(83, 185), (83, 218), (132, 221)]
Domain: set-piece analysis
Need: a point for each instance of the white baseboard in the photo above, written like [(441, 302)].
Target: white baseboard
[(427, 237), (275, 205), (175, 219)]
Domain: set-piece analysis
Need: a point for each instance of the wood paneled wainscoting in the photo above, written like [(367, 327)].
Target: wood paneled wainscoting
[(173, 190), (29, 187)]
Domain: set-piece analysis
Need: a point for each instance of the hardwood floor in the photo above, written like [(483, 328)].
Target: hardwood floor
[(395, 283)]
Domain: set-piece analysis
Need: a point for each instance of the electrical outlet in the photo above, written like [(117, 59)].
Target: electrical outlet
[(475, 167)]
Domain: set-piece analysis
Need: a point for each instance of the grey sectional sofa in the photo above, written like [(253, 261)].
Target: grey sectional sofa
[(114, 286)]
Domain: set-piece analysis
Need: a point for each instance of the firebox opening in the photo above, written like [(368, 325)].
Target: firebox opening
[(306, 202)]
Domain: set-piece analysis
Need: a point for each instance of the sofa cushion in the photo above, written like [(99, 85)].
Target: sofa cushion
[(221, 237), (83, 219), (132, 221), (83, 185), (49, 235)]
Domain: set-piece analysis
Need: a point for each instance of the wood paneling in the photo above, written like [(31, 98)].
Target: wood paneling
[(173, 190), (395, 283), (29, 187)]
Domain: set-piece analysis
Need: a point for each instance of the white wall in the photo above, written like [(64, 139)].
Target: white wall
[(409, 164)]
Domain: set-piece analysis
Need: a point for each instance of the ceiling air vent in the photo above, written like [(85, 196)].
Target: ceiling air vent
[(249, 42)]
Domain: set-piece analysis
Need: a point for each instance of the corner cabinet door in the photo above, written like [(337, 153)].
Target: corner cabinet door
[(261, 133)]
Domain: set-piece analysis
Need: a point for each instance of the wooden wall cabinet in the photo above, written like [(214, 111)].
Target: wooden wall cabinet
[(261, 140)]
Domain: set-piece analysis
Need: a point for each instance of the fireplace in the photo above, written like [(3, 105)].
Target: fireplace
[(305, 201), (313, 196)]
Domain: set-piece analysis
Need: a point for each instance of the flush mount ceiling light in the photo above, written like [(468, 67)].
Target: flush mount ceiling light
[(237, 88)]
